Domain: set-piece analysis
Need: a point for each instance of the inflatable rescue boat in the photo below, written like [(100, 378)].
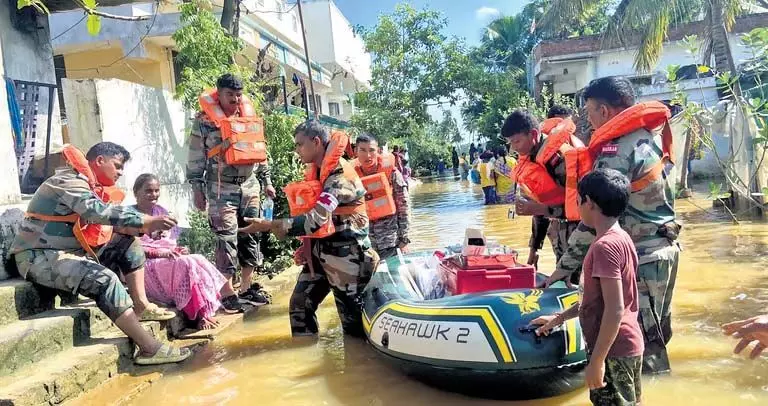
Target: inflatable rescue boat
[(461, 323)]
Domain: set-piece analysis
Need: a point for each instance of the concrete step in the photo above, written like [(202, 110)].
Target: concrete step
[(20, 299), (28, 341), (68, 374)]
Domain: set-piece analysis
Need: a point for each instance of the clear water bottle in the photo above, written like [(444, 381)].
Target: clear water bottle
[(267, 208)]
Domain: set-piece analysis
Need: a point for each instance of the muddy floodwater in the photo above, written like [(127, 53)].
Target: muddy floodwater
[(722, 277)]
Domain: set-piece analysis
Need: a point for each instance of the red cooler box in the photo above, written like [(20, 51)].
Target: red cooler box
[(481, 273)]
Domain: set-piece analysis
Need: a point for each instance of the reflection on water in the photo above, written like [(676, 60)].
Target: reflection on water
[(721, 278)]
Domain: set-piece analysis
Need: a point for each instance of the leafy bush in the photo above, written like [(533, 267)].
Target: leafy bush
[(285, 168), (198, 237)]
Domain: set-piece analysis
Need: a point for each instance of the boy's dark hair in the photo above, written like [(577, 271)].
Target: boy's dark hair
[(608, 188), (558, 110), (107, 149), (519, 121), (614, 91), (367, 138), (314, 129), (141, 180), (229, 81)]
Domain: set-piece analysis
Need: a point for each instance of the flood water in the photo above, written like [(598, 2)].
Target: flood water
[(722, 277)]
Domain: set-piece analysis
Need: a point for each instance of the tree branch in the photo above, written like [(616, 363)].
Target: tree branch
[(114, 16)]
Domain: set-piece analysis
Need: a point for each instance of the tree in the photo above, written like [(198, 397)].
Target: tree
[(449, 128), (414, 63), (206, 52), (652, 19)]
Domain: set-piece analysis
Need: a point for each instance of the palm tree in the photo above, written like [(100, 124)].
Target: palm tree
[(506, 43), (652, 19)]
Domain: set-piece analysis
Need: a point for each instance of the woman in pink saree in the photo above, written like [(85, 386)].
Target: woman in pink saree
[(173, 276)]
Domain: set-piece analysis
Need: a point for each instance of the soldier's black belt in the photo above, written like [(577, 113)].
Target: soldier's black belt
[(236, 180)]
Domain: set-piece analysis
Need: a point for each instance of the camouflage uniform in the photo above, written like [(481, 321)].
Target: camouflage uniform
[(650, 221), (622, 379), (389, 232), (342, 263), (48, 254), (233, 193), (554, 225)]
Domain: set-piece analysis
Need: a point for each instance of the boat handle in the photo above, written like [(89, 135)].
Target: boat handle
[(531, 329)]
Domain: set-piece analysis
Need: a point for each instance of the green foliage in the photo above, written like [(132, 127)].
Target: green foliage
[(37, 4), (716, 192), (448, 128), (198, 238), (414, 63), (206, 52), (285, 168)]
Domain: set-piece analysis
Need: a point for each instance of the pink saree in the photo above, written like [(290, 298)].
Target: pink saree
[(189, 282)]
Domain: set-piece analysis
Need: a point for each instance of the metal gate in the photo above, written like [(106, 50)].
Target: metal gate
[(28, 99)]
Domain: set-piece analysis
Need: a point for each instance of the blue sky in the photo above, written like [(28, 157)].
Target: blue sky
[(466, 18)]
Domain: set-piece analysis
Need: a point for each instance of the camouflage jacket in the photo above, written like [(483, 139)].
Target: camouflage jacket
[(201, 170), (337, 191), (649, 209), (389, 232), (540, 224), (62, 194)]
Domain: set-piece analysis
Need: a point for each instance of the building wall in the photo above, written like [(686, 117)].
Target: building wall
[(147, 121), (155, 71), (331, 40), (27, 56), (9, 191)]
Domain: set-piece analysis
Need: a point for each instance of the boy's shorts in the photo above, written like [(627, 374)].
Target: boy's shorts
[(622, 378)]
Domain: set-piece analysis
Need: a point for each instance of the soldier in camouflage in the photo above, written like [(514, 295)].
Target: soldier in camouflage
[(391, 232), (520, 129), (230, 194), (341, 263), (649, 219), (48, 254)]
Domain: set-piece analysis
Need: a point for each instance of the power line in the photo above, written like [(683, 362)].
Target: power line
[(70, 28), (126, 54)]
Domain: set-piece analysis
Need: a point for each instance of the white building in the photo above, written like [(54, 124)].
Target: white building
[(567, 66), (143, 51)]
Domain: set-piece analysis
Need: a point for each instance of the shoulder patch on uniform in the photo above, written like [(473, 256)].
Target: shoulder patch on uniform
[(610, 149), (327, 201)]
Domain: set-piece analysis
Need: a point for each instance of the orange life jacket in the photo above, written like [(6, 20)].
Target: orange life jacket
[(88, 235), (649, 116), (242, 137), (533, 176), (304, 195), (379, 200)]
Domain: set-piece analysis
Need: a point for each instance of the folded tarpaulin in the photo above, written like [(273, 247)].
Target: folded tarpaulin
[(15, 113)]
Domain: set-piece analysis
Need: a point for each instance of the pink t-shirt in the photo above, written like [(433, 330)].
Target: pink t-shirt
[(612, 256)]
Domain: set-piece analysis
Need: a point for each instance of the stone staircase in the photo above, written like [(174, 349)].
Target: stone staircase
[(52, 351)]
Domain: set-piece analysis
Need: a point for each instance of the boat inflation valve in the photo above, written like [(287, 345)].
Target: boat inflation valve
[(385, 339)]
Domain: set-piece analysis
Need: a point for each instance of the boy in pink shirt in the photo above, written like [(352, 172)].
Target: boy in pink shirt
[(608, 295)]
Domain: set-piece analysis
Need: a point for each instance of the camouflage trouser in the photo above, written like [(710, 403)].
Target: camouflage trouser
[(344, 270), (622, 378), (74, 273), (387, 252), (559, 232), (656, 283), (228, 205)]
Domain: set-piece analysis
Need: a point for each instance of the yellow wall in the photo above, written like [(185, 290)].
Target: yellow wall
[(155, 71)]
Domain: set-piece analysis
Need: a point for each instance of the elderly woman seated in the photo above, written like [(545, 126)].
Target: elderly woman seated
[(173, 275)]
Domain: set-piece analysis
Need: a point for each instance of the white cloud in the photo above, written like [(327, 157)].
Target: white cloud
[(484, 13)]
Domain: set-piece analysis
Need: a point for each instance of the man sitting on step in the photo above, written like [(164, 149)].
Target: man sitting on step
[(61, 245)]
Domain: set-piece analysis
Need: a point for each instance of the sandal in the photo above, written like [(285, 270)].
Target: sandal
[(164, 355), (154, 312)]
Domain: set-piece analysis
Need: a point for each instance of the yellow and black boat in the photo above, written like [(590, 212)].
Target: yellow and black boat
[(478, 343)]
